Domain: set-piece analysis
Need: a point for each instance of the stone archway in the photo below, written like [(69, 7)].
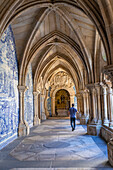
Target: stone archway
[(53, 94), (62, 102)]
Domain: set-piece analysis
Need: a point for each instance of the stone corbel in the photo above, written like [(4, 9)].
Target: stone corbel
[(108, 70)]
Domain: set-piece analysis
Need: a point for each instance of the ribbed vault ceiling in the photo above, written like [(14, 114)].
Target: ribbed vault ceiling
[(53, 35), (58, 30)]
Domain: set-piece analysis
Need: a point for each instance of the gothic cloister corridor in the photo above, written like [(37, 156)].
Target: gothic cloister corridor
[(55, 53), (53, 145)]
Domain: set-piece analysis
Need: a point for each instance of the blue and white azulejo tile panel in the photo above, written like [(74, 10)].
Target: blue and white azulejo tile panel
[(28, 109), (9, 102)]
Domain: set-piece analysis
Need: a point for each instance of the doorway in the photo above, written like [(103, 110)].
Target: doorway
[(62, 103)]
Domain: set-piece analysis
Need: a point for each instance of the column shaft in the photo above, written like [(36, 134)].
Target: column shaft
[(98, 88), (36, 118), (23, 125), (94, 106), (110, 105), (43, 116), (84, 118), (87, 104), (105, 105)]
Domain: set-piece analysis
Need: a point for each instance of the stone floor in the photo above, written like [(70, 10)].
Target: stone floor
[(53, 145)]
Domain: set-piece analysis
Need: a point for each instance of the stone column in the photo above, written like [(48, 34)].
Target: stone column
[(78, 102), (46, 107), (108, 70), (78, 105), (110, 103), (87, 104), (84, 103), (39, 107), (94, 120), (90, 107), (43, 116), (81, 105), (93, 128), (112, 106), (53, 106), (98, 89), (106, 121), (36, 118), (84, 118), (23, 125), (71, 100)]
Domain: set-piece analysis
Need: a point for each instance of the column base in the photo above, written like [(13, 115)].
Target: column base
[(99, 122), (23, 129), (110, 151), (110, 124), (43, 116), (106, 122), (84, 120), (78, 115), (39, 121), (36, 121), (93, 129), (94, 121)]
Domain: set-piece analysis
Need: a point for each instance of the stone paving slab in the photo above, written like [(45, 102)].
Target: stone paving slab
[(53, 145), (54, 169), (60, 169)]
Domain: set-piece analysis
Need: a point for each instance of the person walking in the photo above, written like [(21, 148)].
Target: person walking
[(72, 112)]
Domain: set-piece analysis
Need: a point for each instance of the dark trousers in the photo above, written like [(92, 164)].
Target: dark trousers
[(72, 121)]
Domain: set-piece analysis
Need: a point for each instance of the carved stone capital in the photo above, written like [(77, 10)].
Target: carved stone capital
[(35, 93), (104, 85), (90, 87), (22, 89), (98, 88), (78, 95), (109, 83)]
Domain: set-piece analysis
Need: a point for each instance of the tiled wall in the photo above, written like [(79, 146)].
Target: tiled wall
[(28, 110), (9, 107)]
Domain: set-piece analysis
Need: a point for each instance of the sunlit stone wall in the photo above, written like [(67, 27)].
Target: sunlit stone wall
[(28, 112)]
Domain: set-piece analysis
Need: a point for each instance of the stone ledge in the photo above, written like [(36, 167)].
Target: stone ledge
[(83, 120), (106, 133), (108, 127), (93, 129), (110, 151)]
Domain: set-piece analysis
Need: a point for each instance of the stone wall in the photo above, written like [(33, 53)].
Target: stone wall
[(28, 112), (9, 105)]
